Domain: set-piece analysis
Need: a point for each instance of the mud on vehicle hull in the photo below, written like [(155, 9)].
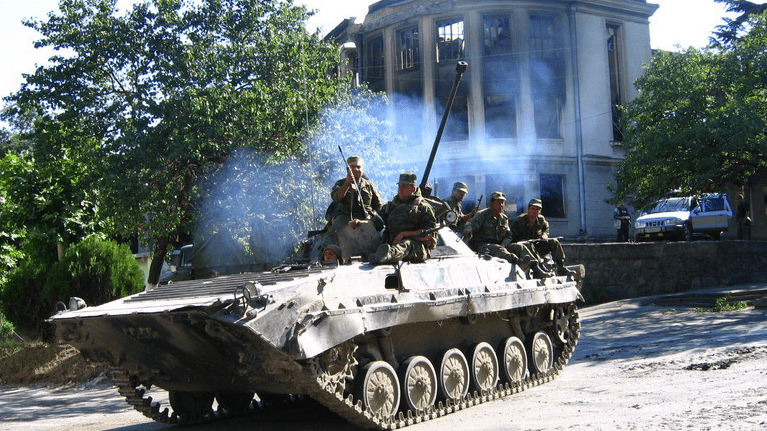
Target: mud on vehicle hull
[(384, 346)]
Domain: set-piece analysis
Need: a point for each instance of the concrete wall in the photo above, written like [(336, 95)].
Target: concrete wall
[(627, 270)]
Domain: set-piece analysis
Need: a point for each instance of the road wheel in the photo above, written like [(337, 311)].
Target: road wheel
[(541, 353), (453, 375), (514, 360), (484, 367), (191, 407), (378, 388), (419, 383), (234, 402)]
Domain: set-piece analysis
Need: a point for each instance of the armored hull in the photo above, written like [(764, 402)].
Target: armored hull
[(384, 346)]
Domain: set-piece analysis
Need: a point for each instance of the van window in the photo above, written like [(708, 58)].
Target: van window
[(714, 203)]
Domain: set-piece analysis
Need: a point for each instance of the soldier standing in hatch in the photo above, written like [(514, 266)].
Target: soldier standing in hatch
[(407, 215), (454, 202), (349, 212), (532, 228), (489, 232)]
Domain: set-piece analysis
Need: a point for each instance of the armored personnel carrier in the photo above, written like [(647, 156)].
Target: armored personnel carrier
[(384, 346)]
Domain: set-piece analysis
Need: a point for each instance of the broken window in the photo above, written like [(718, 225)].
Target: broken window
[(547, 76), (552, 196), (500, 80)]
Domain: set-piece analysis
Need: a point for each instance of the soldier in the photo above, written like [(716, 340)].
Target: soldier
[(532, 228), (406, 217), (349, 212), (489, 232), (454, 202)]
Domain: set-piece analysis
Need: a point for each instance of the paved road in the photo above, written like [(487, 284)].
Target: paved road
[(638, 366)]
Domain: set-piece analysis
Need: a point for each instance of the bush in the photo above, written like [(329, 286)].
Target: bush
[(20, 298), (95, 270)]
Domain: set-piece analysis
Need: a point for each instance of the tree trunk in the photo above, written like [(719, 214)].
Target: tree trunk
[(158, 257)]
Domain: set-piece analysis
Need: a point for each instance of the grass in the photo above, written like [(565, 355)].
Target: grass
[(723, 304)]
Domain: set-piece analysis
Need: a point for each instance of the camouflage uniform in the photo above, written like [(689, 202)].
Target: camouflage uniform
[(491, 234), (537, 236), (411, 214), (454, 205), (349, 207)]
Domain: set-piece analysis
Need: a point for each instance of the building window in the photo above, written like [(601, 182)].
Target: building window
[(409, 54), (500, 79), (450, 47), (616, 76), (374, 64), (547, 76), (552, 196), (450, 40)]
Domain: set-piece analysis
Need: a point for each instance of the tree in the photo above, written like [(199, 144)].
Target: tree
[(698, 123), (729, 32), (153, 100)]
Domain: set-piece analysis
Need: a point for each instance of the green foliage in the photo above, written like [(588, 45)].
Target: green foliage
[(95, 270), (6, 328), (20, 298), (723, 304), (150, 102), (699, 121)]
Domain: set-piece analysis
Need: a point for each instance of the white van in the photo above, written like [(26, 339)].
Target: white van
[(683, 217)]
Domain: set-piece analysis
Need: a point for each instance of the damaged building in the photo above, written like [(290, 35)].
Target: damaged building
[(535, 114)]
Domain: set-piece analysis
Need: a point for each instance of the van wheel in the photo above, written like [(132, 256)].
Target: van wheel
[(686, 232)]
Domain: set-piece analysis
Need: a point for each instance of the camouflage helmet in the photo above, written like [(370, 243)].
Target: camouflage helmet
[(535, 202)]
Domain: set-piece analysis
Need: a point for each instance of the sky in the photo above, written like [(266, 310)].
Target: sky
[(676, 22)]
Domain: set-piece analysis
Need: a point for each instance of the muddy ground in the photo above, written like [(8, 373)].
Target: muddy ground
[(638, 366)]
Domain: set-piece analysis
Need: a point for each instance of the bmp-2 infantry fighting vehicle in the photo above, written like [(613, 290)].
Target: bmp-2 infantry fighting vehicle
[(384, 346)]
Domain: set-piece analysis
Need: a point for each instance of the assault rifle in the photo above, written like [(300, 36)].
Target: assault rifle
[(351, 174), (450, 217)]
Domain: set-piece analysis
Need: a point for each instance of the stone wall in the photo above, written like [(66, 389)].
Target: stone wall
[(627, 270)]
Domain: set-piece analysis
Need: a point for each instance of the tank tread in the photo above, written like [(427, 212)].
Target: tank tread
[(128, 387), (356, 414), (346, 407)]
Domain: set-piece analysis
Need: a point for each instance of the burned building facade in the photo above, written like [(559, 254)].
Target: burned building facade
[(536, 112)]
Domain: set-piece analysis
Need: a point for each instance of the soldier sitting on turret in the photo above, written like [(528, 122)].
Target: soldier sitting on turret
[(407, 215), (532, 228), (489, 233), (353, 208)]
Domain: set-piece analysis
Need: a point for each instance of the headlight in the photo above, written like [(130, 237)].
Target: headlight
[(673, 221), (76, 303), (639, 224)]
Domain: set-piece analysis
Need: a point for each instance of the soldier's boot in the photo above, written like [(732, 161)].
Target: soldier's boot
[(380, 253), (563, 270), (539, 272), (522, 262)]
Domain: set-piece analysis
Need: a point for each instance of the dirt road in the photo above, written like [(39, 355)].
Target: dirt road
[(637, 367)]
